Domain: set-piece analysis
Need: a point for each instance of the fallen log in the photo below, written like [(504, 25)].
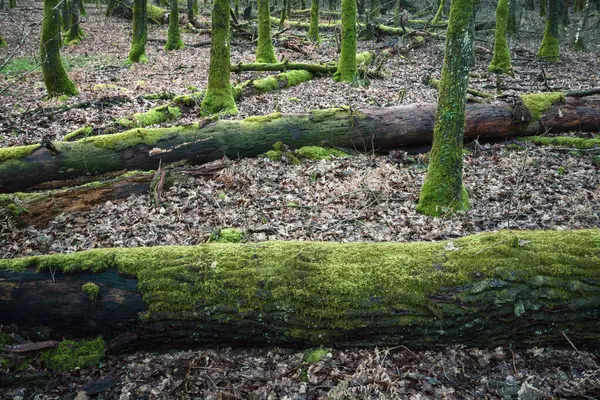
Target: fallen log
[(523, 288), (364, 129)]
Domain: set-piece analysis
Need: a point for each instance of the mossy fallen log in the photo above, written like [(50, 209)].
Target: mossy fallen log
[(380, 128), (124, 9), (521, 288)]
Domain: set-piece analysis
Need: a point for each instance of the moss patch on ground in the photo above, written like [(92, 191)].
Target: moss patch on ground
[(91, 290), (563, 141), (69, 355)]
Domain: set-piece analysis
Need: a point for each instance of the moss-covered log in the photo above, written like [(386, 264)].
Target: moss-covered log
[(384, 128), (124, 9), (492, 289)]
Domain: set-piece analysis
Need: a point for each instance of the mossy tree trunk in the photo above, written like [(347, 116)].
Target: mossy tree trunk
[(265, 53), (440, 12), (23, 167), (139, 32), (579, 42), (347, 66), (494, 289), (190, 10), (174, 41), (549, 49), (74, 34), (512, 25), (65, 10), (219, 96), (55, 77), (443, 188), (283, 11), (543, 7), (501, 60), (313, 32)]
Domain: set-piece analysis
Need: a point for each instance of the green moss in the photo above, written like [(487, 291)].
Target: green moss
[(70, 355), (438, 15), (3, 42), (563, 141), (157, 115), (91, 290), (347, 67), (319, 153), (283, 80), (79, 133), (538, 103), (265, 53), (365, 58), (313, 356), (130, 138), (227, 235), (263, 118), (323, 286), (189, 100), (5, 340), (156, 14), (501, 61), (17, 152)]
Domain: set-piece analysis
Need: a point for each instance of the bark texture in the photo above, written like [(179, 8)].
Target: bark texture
[(384, 128), (443, 189), (492, 289), (265, 53), (174, 41), (347, 66), (139, 32)]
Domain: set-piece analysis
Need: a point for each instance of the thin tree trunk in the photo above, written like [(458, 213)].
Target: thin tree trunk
[(347, 66), (579, 42), (549, 49), (55, 77), (139, 32), (313, 32), (443, 188), (501, 61), (265, 53), (174, 41)]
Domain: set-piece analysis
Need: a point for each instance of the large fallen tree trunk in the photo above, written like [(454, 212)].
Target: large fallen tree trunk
[(366, 129), (507, 288)]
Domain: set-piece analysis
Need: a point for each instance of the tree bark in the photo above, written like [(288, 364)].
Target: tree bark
[(493, 289), (24, 167)]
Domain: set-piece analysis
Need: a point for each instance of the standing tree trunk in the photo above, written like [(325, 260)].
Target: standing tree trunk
[(74, 34), (283, 10), (264, 49), (374, 10), (512, 25), (443, 188), (174, 41), (140, 32), (65, 15), (549, 50), (219, 97), (190, 10), (347, 66), (313, 31), (501, 61), (579, 43), (439, 13), (55, 77), (543, 6)]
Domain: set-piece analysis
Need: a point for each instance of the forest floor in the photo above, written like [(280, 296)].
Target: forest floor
[(369, 197)]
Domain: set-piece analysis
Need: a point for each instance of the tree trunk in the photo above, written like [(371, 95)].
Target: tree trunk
[(501, 61), (492, 289), (313, 32), (579, 42), (347, 66), (174, 41), (55, 77), (218, 97), (512, 25), (549, 49), (74, 34), (439, 14), (443, 189), (379, 128), (139, 32), (265, 53)]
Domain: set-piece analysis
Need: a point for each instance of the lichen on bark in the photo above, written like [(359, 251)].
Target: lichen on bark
[(219, 95), (443, 190), (140, 32), (346, 71), (55, 77), (174, 41), (265, 52), (501, 61)]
